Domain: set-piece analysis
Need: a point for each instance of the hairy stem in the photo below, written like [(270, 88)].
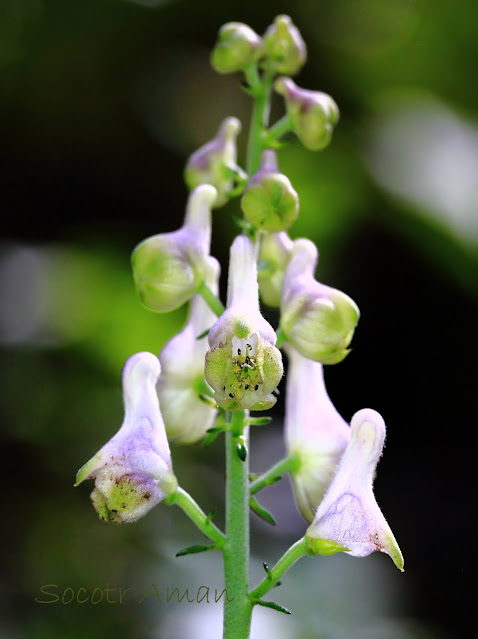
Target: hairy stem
[(238, 610), (295, 552), (184, 500), (285, 465), (211, 300)]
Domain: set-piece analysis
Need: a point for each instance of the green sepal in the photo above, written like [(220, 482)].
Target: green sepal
[(192, 550), (274, 606), (261, 512), (324, 547)]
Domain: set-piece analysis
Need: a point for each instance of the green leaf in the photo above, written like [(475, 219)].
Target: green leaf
[(258, 421), (274, 606), (241, 451), (203, 334), (192, 550), (212, 433), (211, 515), (261, 512), (266, 568)]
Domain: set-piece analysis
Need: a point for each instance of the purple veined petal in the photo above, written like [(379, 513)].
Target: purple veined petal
[(349, 514), (133, 471)]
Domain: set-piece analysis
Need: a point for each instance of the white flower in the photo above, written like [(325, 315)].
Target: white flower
[(316, 435), (133, 471), (243, 366), (349, 516), (186, 417)]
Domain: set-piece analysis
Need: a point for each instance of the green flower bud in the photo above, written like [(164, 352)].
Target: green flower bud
[(313, 114), (243, 366), (274, 255), (270, 202), (317, 320), (169, 268), (237, 47), (284, 48), (215, 162)]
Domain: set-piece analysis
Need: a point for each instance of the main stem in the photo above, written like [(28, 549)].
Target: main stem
[(238, 605)]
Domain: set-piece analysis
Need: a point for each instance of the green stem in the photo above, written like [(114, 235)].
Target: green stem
[(260, 117), (279, 129), (211, 300), (237, 606), (286, 465), (295, 552), (184, 500)]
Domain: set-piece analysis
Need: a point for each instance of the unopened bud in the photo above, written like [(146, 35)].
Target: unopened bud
[(169, 268), (284, 47), (274, 255), (215, 162), (270, 202), (237, 47), (313, 114), (319, 321)]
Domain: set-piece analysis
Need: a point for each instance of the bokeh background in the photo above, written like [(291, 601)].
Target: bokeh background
[(101, 102)]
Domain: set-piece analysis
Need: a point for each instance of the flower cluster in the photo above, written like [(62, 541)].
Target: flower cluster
[(198, 386)]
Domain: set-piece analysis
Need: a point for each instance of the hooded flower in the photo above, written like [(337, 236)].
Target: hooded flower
[(274, 255), (186, 417), (319, 321), (284, 47), (169, 268), (237, 47), (313, 114), (133, 471), (215, 162), (316, 435), (270, 202), (243, 366), (349, 517)]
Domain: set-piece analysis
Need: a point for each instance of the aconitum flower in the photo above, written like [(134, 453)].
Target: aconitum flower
[(313, 114), (186, 417), (316, 435), (274, 255), (243, 366), (349, 518), (319, 321), (169, 268), (216, 162), (237, 47), (284, 48), (270, 202), (133, 471)]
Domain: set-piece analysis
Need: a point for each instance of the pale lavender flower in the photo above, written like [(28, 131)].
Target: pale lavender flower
[(186, 417), (349, 518), (316, 435), (133, 471), (243, 366)]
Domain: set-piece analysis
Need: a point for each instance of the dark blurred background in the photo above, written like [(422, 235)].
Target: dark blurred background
[(101, 102)]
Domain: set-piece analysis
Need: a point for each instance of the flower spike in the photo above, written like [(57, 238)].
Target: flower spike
[(169, 268), (315, 432), (319, 321), (349, 516), (133, 471), (242, 365), (186, 417)]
